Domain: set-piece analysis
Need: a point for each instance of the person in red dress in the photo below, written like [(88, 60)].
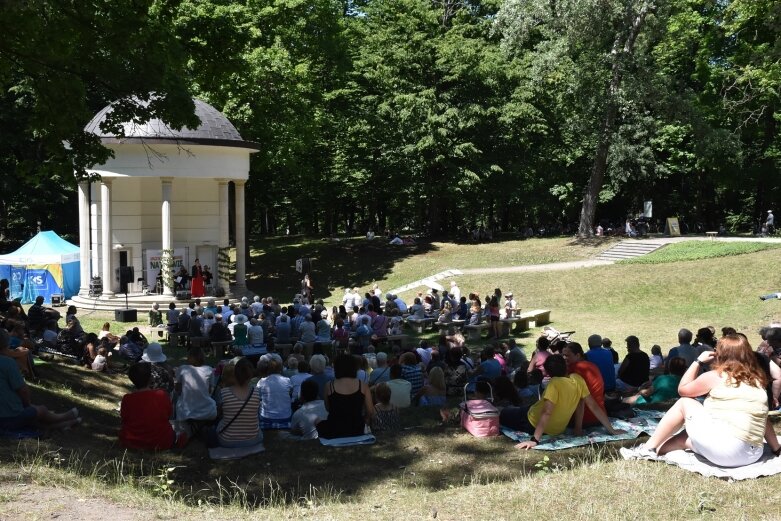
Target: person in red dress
[(197, 288)]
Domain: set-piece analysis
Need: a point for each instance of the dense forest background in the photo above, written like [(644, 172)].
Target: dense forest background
[(434, 116)]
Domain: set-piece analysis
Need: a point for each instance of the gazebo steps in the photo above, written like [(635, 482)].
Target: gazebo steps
[(138, 301)]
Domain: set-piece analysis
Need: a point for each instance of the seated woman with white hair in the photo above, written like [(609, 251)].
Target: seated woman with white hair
[(275, 394), (317, 365)]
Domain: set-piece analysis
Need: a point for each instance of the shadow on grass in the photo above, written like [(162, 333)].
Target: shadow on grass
[(425, 455), (335, 263)]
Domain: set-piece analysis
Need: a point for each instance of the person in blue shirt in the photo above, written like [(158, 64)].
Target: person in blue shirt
[(603, 359), (16, 411)]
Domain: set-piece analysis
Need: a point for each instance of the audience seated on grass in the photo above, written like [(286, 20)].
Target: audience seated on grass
[(634, 370), (664, 387), (16, 410), (603, 359), (505, 393), (514, 355), (348, 400), (541, 353), (312, 411), (381, 373), (194, 387), (317, 365), (238, 406), (577, 364), (162, 372), (145, 414), (401, 389), (412, 372), (386, 415), (275, 394), (730, 427), (433, 394), (563, 397)]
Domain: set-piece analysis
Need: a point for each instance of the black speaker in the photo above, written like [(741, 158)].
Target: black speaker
[(303, 265), (126, 315)]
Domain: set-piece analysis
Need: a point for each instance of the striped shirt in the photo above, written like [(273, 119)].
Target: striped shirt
[(245, 427)]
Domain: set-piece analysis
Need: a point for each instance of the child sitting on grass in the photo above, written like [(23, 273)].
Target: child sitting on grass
[(101, 361), (145, 413), (386, 417)]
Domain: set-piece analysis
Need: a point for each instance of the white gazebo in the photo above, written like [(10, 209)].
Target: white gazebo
[(164, 193)]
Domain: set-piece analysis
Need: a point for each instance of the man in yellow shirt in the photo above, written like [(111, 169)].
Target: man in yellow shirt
[(564, 396)]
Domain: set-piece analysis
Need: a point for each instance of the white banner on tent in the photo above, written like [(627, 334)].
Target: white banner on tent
[(153, 264)]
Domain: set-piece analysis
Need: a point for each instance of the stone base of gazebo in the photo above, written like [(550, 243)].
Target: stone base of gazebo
[(143, 302)]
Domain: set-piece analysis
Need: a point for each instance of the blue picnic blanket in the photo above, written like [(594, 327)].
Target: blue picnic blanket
[(645, 422)]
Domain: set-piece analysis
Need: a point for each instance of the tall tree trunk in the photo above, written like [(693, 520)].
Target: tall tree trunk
[(623, 49)]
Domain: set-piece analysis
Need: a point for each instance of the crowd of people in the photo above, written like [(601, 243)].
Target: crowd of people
[(346, 386)]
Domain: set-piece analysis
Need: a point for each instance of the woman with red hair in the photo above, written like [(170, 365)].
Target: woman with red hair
[(729, 426)]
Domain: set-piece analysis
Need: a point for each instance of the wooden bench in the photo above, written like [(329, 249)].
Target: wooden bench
[(473, 332), (711, 235), (419, 324), (159, 329), (535, 318)]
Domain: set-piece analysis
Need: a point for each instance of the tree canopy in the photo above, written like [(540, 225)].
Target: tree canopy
[(434, 116)]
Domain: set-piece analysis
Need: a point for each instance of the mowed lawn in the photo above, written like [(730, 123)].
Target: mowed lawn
[(428, 471)]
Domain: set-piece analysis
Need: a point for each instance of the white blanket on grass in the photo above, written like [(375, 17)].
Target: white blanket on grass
[(768, 464), (363, 439)]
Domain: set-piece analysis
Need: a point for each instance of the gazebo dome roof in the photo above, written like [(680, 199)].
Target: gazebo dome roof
[(214, 129)]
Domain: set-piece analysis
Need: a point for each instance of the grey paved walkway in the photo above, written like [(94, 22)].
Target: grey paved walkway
[(553, 266)]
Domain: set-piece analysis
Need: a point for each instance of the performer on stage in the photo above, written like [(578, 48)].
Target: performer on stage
[(306, 287), (197, 288)]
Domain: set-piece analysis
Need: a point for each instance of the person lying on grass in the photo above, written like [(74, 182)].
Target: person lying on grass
[(729, 428), (16, 410), (563, 397), (145, 414)]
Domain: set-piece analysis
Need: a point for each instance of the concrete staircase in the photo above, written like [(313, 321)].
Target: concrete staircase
[(629, 249)]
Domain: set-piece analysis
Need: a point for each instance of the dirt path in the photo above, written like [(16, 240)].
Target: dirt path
[(26, 502)]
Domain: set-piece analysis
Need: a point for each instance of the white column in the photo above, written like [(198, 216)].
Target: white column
[(241, 238), (167, 188), (93, 219), (84, 238), (224, 240), (106, 241)]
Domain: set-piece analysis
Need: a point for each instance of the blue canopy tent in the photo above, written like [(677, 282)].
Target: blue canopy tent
[(46, 265)]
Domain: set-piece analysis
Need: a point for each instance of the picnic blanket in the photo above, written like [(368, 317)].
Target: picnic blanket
[(645, 422), (225, 453), (768, 464), (20, 434), (363, 439)]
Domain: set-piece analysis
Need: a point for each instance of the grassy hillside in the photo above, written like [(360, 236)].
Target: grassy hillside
[(427, 471)]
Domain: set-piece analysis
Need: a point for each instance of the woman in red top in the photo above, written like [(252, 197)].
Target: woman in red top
[(577, 363)]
